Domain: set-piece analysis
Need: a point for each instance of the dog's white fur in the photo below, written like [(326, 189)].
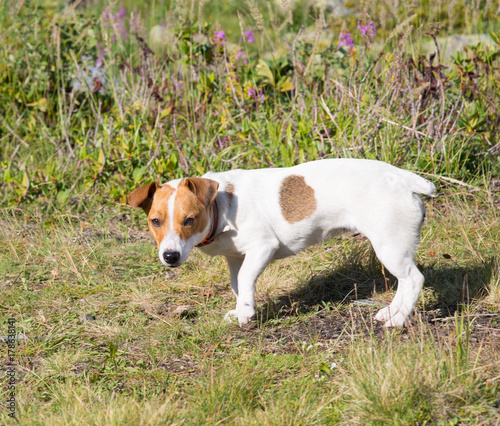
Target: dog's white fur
[(256, 226)]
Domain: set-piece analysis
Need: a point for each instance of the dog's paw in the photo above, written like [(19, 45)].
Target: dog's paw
[(391, 317), (245, 314), (385, 314), (398, 320), (231, 316)]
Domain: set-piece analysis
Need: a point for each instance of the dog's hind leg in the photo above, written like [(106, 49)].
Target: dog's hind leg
[(400, 263), (393, 228)]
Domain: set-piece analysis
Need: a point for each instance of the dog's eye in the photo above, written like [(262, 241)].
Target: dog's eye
[(188, 221), (155, 222)]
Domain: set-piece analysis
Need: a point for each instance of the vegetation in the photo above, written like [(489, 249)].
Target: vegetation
[(97, 98), (94, 102)]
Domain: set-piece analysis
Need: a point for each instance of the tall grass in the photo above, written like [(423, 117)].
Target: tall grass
[(424, 380)]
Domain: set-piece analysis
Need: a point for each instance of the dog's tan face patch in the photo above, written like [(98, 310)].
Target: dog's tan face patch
[(190, 216), (158, 215), (184, 210), (297, 199)]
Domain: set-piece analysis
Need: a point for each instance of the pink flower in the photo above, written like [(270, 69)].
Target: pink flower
[(253, 93), (249, 36), (240, 55), (122, 30), (118, 19), (100, 59), (122, 13), (346, 40), (261, 96), (220, 37), (367, 29)]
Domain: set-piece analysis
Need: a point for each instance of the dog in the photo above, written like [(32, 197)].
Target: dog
[(255, 216)]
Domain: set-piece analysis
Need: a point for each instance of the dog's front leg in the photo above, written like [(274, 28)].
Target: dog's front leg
[(234, 264), (254, 263)]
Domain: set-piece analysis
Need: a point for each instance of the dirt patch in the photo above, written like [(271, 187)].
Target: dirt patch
[(287, 332)]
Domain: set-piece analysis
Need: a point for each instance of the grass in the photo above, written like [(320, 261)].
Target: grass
[(106, 335), (102, 344)]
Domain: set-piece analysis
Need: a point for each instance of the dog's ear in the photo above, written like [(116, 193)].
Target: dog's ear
[(143, 197), (204, 189)]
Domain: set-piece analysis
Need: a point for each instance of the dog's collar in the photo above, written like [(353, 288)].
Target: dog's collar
[(215, 221)]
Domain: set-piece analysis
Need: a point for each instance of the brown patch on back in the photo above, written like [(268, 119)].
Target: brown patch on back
[(159, 210), (297, 199), (187, 204)]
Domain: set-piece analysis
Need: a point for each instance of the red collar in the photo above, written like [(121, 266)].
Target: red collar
[(215, 221)]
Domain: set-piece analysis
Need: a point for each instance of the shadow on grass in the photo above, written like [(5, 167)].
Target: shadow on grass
[(451, 288)]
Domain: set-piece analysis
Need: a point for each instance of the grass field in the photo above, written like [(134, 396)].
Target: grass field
[(98, 98)]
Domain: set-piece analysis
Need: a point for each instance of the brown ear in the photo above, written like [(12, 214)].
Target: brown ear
[(204, 189), (143, 197)]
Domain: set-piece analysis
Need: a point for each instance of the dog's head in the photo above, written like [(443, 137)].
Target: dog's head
[(178, 215)]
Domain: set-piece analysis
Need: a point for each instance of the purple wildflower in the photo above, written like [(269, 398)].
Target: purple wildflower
[(367, 29), (220, 37), (249, 36), (253, 93), (240, 54), (223, 142), (122, 29), (346, 40), (122, 13), (117, 19), (100, 59)]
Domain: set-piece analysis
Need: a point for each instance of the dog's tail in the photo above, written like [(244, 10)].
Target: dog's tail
[(417, 184)]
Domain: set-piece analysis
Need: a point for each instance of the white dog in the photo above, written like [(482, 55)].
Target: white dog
[(254, 216)]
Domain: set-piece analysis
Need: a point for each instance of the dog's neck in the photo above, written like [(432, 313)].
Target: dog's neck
[(214, 219)]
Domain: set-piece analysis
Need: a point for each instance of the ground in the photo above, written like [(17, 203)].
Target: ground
[(101, 321)]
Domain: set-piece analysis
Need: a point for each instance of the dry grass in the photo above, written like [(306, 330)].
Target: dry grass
[(103, 343)]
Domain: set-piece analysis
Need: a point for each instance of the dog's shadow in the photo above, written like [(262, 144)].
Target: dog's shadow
[(446, 289)]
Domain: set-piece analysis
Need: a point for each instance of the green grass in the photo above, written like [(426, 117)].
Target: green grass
[(107, 335), (103, 346)]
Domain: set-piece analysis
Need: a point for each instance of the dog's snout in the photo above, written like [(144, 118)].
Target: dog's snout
[(171, 257)]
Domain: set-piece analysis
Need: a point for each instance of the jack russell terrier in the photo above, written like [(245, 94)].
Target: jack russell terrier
[(254, 216)]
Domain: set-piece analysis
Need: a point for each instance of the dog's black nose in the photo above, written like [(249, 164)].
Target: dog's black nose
[(171, 257)]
